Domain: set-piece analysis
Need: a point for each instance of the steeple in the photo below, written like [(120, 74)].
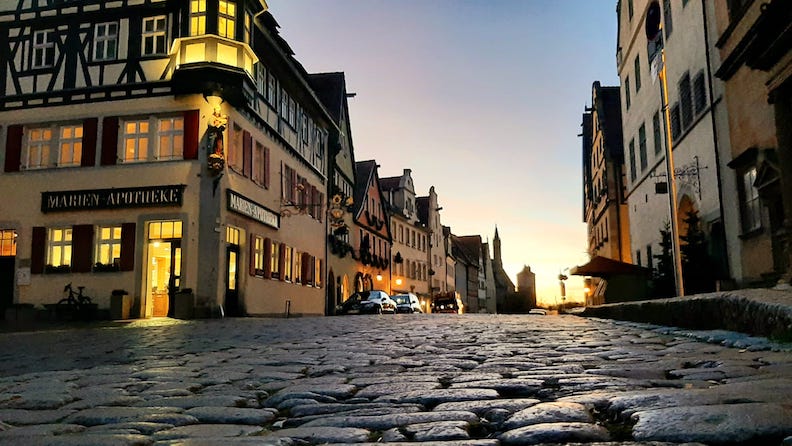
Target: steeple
[(496, 248)]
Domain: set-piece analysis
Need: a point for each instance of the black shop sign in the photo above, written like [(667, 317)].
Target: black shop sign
[(120, 198)]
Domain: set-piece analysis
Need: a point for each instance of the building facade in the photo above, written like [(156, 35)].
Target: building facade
[(371, 235), (694, 108), (504, 287), (526, 285), (161, 146), (752, 40)]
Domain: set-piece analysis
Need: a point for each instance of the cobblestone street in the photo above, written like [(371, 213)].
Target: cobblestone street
[(444, 379)]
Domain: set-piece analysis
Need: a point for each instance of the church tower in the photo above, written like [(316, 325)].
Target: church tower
[(496, 249)]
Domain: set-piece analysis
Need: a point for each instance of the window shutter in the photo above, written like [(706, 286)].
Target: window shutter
[(13, 157), (127, 262), (247, 153), (321, 273), (82, 251), (88, 158), (38, 250), (282, 261), (191, 137), (252, 252), (304, 268), (266, 167), (267, 258), (109, 141), (314, 201)]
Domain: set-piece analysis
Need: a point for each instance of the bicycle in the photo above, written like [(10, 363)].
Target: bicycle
[(75, 299)]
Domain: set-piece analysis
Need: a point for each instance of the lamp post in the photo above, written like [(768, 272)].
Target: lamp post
[(655, 49)]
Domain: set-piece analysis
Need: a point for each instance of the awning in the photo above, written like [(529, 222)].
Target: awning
[(604, 267)]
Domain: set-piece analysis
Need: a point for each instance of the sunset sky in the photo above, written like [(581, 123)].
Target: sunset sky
[(481, 99)]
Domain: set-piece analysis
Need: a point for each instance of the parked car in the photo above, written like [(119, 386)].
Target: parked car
[(407, 303), (447, 304), (537, 311), (367, 302)]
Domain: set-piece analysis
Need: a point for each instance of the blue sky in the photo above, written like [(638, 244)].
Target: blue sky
[(481, 99)]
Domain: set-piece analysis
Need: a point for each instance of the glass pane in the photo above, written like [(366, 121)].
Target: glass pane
[(117, 233), (66, 132), (144, 126), (164, 148), (67, 234), (177, 229), (178, 144), (56, 256), (67, 253), (131, 127), (232, 261), (57, 235), (155, 230), (77, 153), (143, 148), (104, 254), (105, 233), (177, 262), (165, 125), (116, 253), (167, 229), (129, 152)]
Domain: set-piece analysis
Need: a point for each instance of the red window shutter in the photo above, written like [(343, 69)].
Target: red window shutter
[(252, 252), (109, 141), (266, 167), (82, 248), (38, 250), (282, 262), (321, 273), (247, 153), (89, 142), (267, 258), (191, 137), (13, 157), (127, 247)]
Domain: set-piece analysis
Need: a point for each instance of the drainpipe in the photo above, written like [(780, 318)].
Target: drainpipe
[(715, 134)]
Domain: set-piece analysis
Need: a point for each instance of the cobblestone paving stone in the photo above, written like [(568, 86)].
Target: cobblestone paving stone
[(477, 380)]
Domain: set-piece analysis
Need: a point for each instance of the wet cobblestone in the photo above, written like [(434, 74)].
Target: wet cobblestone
[(429, 379)]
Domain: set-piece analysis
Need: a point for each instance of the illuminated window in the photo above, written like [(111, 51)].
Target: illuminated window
[(135, 140), (8, 242), (751, 207), (106, 41), (235, 149), (70, 145), (171, 138), (318, 273), (274, 257), (232, 235), (248, 28), (43, 49), (59, 247), (287, 263), (225, 19), (297, 266), (154, 35), (258, 254), (108, 245), (197, 17), (167, 229), (37, 155)]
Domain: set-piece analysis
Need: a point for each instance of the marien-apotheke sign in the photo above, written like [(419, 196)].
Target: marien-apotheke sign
[(126, 197), (249, 208)]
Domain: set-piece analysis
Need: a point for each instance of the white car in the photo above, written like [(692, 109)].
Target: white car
[(407, 303)]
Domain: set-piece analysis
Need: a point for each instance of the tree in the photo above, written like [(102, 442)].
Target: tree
[(698, 270), (663, 275)]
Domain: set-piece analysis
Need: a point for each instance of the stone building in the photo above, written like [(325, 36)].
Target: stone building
[(526, 285), (504, 287), (752, 40), (439, 255), (371, 236), (695, 107), (160, 146)]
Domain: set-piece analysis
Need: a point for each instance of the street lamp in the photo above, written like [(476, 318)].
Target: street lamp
[(656, 52)]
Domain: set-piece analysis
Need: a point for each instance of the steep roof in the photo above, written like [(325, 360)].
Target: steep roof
[(389, 183), (330, 88), (471, 245), (363, 172), (422, 208)]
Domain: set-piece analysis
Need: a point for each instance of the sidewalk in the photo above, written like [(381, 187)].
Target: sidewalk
[(758, 312)]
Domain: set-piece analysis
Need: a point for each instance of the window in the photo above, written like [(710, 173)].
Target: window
[(284, 110), (108, 245), (649, 256), (637, 74), (675, 124), (258, 255), (43, 49), (667, 18), (287, 263), (751, 207), (8, 242), (297, 266), (318, 273), (171, 138), (642, 146), (274, 257), (197, 17), (289, 185), (261, 165), (632, 160), (226, 15), (630, 8), (39, 142), (106, 41), (154, 38), (166, 229), (699, 93), (627, 92), (59, 247), (235, 149), (70, 145), (248, 28), (136, 140), (261, 79), (658, 138), (292, 112), (272, 90), (685, 101), (233, 235)]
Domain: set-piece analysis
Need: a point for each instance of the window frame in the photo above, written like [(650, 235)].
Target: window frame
[(42, 54), (197, 25), (112, 244), (657, 133), (105, 40), (633, 173), (44, 161), (64, 246), (750, 203), (172, 135), (155, 35), (226, 19), (73, 142), (642, 152)]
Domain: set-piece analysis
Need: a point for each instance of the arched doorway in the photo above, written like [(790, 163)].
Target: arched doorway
[(686, 206), (344, 290), (359, 282)]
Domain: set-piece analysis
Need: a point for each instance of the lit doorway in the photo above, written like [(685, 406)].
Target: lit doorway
[(7, 264), (163, 267), (233, 306)]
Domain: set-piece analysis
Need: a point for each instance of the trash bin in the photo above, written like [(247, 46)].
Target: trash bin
[(185, 304), (120, 304)]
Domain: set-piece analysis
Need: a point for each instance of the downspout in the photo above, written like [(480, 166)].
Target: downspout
[(715, 135)]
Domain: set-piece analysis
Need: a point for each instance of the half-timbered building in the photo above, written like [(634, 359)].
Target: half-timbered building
[(157, 146)]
